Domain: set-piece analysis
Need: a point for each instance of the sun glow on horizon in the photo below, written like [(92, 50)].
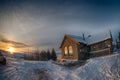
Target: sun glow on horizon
[(11, 50)]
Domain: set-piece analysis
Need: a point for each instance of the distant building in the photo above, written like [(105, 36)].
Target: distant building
[(77, 47)]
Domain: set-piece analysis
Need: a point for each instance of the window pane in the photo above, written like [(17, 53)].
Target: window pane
[(70, 50), (106, 44), (66, 51)]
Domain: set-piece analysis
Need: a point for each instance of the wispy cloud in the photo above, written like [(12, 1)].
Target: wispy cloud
[(14, 43), (44, 22)]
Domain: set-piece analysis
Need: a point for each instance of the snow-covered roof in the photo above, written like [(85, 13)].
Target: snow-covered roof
[(97, 38), (92, 38), (77, 38)]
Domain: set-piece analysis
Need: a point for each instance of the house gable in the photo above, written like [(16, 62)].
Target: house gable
[(66, 37), (85, 47), (67, 43)]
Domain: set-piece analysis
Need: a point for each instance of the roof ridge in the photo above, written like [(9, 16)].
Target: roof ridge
[(77, 38), (73, 35), (92, 39)]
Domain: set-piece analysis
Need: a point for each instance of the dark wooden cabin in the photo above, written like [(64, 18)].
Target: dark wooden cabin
[(78, 48)]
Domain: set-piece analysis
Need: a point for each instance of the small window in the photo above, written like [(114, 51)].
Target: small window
[(80, 50), (70, 51), (93, 47), (100, 46), (66, 51), (106, 43)]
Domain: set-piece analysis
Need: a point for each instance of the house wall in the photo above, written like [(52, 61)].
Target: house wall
[(69, 42), (101, 48), (82, 51)]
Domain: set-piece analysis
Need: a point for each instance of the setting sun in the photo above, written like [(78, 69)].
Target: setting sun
[(11, 49)]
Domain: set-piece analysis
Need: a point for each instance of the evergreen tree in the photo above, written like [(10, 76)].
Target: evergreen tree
[(48, 54), (116, 44), (53, 55), (36, 54), (119, 40), (43, 55), (119, 37)]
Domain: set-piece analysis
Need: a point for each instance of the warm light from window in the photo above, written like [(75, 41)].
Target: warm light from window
[(66, 51), (70, 50)]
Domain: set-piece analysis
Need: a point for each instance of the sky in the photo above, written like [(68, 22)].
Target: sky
[(43, 23)]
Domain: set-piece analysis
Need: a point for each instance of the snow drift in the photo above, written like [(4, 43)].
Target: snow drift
[(101, 68)]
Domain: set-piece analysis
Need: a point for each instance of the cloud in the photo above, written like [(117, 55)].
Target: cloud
[(43, 23), (14, 43)]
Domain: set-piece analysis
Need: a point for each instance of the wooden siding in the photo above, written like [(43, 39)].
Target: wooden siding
[(83, 51), (101, 48), (68, 42), (100, 52), (100, 45)]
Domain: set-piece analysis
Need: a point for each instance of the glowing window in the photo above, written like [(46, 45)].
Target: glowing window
[(66, 51), (70, 50)]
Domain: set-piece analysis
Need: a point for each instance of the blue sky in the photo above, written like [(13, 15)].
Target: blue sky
[(43, 23)]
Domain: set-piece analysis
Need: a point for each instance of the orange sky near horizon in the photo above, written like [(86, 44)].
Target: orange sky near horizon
[(6, 46), (6, 42)]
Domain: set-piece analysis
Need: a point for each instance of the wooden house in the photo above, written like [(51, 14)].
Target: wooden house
[(77, 47)]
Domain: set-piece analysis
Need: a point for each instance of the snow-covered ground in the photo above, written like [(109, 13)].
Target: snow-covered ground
[(101, 68)]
